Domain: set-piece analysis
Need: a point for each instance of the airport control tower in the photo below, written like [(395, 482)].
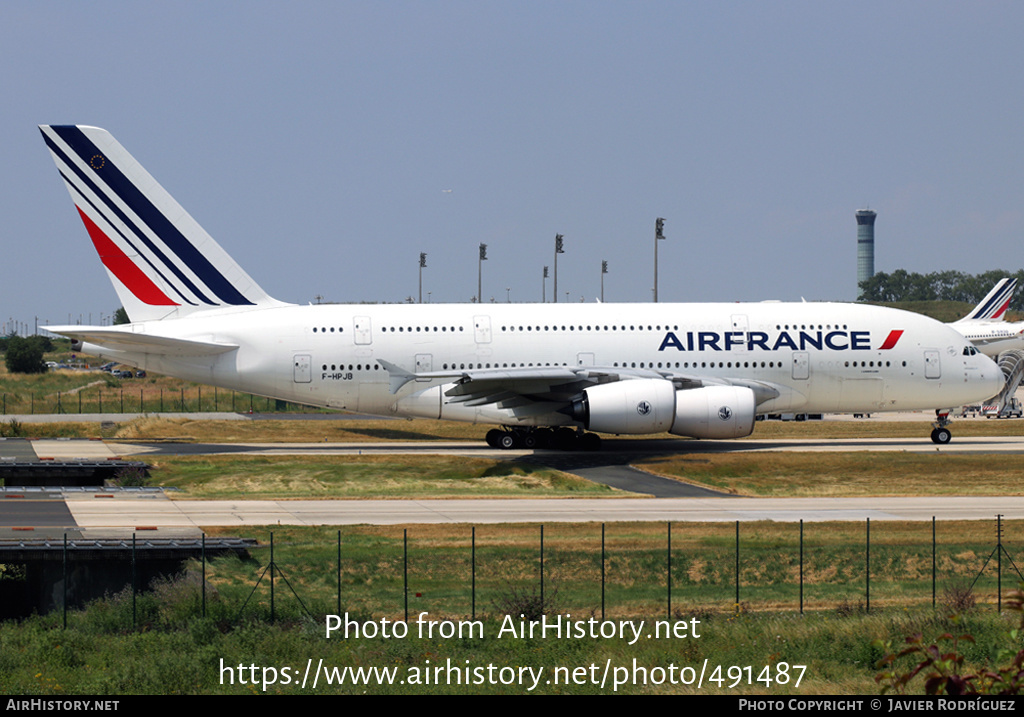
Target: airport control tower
[(865, 246)]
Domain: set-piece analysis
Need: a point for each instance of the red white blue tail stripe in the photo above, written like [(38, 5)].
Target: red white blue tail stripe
[(161, 261), (993, 306)]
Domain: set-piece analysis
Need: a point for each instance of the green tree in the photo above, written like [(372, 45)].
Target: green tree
[(121, 316), (24, 356)]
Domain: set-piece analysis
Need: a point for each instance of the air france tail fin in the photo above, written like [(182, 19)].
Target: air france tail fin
[(993, 307), (161, 262)]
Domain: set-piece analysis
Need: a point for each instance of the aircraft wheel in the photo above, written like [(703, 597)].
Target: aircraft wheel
[(565, 439), (941, 436), (529, 440), (508, 440), (544, 437), (590, 442), (494, 438)]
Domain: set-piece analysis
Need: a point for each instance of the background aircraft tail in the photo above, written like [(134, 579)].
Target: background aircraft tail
[(161, 262), (994, 305)]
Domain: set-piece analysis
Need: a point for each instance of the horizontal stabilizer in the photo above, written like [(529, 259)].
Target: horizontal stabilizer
[(121, 340)]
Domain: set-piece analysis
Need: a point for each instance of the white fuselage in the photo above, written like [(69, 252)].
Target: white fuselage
[(815, 357), (992, 337)]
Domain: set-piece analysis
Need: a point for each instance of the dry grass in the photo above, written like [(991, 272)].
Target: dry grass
[(297, 431), (844, 474), (364, 477), (346, 430)]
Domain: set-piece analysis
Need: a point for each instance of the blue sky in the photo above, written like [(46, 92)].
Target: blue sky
[(315, 142)]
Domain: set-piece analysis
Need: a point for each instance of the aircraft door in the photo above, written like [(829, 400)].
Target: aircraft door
[(424, 364), (302, 368), (363, 330), (739, 326), (932, 367), (801, 365), (482, 329)]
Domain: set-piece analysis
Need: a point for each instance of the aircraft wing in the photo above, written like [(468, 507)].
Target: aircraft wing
[(124, 340), (522, 387)]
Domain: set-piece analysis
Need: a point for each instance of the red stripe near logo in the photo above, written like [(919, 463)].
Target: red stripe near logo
[(124, 268), (891, 339), (1002, 310)]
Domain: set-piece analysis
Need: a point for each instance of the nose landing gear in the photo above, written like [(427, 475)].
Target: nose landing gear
[(941, 435)]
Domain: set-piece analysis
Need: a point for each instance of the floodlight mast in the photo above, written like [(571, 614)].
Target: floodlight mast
[(559, 249), (659, 234)]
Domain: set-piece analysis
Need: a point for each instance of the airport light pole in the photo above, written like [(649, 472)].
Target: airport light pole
[(558, 250), (544, 287), (604, 270), (659, 234), (480, 273), (423, 264)]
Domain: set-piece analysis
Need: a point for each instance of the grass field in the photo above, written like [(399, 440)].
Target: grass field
[(378, 477), (440, 560), (844, 474), (173, 649)]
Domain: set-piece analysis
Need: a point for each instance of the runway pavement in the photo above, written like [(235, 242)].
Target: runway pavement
[(121, 512)]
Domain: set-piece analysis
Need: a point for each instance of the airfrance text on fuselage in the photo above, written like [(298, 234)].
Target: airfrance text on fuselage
[(801, 341)]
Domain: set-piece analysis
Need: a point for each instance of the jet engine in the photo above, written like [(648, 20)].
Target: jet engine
[(654, 405)]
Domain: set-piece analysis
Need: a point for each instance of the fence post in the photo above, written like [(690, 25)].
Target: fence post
[(273, 605), (64, 578), (602, 571), (737, 567), (801, 566), (867, 568), (134, 584), (405, 570), (472, 565), (542, 566), (668, 570), (999, 563)]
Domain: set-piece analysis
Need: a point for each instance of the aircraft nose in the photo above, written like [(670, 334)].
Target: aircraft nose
[(991, 375)]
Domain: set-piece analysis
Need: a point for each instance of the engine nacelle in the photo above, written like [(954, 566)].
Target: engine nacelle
[(715, 412), (643, 405), (654, 406)]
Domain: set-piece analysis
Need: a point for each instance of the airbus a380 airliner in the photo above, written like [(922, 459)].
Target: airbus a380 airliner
[(986, 327), (546, 373)]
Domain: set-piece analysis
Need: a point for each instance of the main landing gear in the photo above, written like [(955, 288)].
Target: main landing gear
[(564, 438), (940, 434)]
